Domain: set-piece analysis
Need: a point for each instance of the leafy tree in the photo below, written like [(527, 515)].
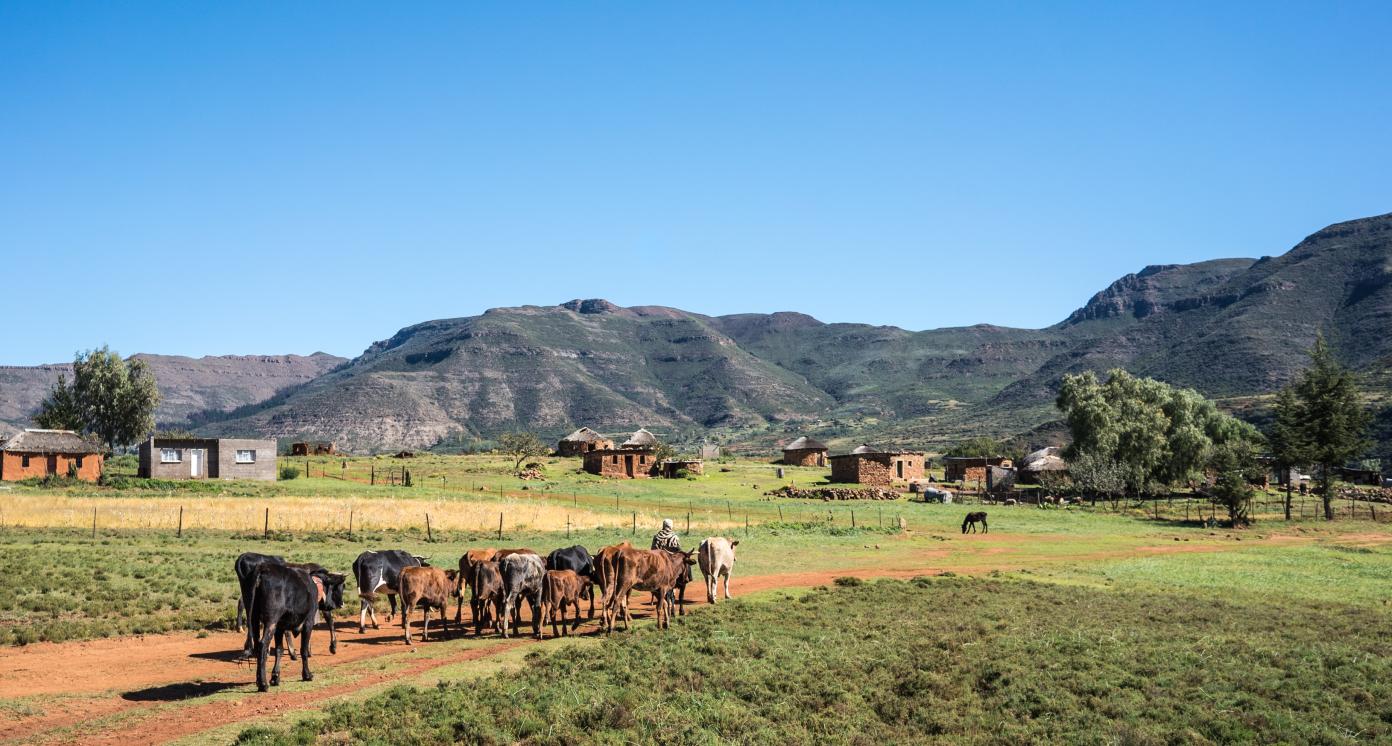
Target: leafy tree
[(522, 446), (664, 452), (1285, 439), (1235, 465), (60, 410), (975, 447), (1155, 434), (1096, 475), (111, 397), (1320, 419)]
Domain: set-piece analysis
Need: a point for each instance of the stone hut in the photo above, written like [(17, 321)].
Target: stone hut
[(582, 441), (208, 458), (1043, 460), (313, 448), (877, 468), (805, 452), (971, 468), (672, 468), (635, 458), (42, 453)]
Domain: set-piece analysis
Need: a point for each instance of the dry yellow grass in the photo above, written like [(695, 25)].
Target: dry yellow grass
[(302, 513)]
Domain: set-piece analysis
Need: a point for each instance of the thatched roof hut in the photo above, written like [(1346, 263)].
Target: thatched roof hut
[(641, 438)]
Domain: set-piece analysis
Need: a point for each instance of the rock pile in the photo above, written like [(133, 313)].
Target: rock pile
[(835, 493)]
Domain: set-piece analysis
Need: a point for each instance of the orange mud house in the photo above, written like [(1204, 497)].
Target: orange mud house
[(41, 453)]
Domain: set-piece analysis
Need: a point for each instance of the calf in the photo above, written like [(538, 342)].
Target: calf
[(559, 588), (488, 596), (522, 576), (578, 560), (380, 572), (285, 600), (717, 557), (653, 570), (429, 588), (245, 566), (465, 579)]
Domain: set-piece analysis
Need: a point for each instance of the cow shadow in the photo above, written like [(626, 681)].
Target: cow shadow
[(228, 656), (181, 691)]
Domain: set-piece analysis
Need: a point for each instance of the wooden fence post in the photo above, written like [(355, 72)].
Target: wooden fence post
[(266, 532), (429, 536), (635, 523), (94, 523), (180, 533), (852, 518), (688, 522), (350, 523)]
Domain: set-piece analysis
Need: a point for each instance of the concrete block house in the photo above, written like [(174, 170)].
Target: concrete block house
[(866, 465), (581, 442), (208, 458), (41, 453), (805, 452)]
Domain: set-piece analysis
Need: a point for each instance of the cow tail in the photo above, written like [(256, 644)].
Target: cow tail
[(254, 618)]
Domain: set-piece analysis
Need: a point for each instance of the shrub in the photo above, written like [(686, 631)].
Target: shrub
[(288, 472)]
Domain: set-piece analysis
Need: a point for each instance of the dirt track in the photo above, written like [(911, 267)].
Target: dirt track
[(154, 683)]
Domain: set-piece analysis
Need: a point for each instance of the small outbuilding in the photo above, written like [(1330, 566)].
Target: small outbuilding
[(677, 468), (582, 441), (208, 458), (313, 448), (878, 468), (621, 463), (805, 452), (1041, 461), (971, 468), (42, 453)]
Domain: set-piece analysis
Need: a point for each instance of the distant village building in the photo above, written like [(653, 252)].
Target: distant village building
[(42, 453), (878, 468), (313, 448), (970, 468), (710, 451), (805, 452), (677, 467), (1041, 461), (635, 458), (208, 458), (582, 441)]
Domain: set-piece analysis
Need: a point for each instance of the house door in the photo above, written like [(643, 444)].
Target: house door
[(52, 466), (628, 466), (195, 462), (900, 466)]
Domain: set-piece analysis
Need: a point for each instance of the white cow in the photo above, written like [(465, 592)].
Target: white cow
[(717, 558)]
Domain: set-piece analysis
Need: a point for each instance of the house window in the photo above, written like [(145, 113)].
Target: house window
[(615, 457), (246, 457), (642, 459), (24, 462), (79, 462), (171, 456)]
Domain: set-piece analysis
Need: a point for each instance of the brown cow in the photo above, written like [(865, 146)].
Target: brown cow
[(502, 554), (488, 596), (559, 588), (604, 570), (429, 587), (655, 570), (465, 578)]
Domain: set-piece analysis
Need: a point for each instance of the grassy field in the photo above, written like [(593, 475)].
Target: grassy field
[(932, 660)]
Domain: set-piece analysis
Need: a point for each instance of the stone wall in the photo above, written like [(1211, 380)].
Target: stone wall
[(620, 463), (581, 447), (805, 457), (881, 469)]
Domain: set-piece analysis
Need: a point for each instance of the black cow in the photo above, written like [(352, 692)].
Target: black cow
[(380, 571), (286, 600), (578, 559), (246, 566)]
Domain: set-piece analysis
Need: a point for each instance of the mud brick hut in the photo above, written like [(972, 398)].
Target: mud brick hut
[(971, 468), (877, 468), (1041, 461), (635, 458), (805, 452), (313, 448), (43, 453), (582, 441), (208, 458), (677, 468)]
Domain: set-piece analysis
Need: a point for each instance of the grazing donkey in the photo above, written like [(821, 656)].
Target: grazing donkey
[(974, 518)]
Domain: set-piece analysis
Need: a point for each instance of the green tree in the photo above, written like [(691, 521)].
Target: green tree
[(975, 447), (1321, 420), (1155, 434), (1235, 466), (1096, 475), (1285, 439), (60, 410), (110, 397), (521, 446)]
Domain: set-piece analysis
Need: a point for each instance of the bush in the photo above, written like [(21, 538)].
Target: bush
[(288, 472)]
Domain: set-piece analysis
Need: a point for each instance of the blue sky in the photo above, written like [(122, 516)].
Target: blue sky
[(193, 178)]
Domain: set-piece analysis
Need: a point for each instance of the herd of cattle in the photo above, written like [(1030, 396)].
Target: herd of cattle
[(282, 598)]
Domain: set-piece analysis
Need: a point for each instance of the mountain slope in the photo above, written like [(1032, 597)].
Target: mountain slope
[(188, 386)]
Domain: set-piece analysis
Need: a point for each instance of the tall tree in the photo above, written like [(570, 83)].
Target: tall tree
[(522, 446), (1322, 420), (1285, 439), (110, 397)]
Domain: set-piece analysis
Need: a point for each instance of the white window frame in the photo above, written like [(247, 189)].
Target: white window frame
[(177, 453), (250, 455)]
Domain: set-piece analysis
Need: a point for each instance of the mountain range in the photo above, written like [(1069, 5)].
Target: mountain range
[(1235, 329)]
